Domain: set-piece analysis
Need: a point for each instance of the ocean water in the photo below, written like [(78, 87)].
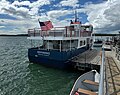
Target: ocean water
[(98, 48), (20, 77)]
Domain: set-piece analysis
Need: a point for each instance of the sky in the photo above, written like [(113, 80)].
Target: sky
[(17, 16)]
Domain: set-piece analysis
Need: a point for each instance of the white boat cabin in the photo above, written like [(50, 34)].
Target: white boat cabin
[(63, 38)]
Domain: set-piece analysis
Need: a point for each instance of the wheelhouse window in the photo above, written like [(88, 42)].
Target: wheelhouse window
[(55, 45), (84, 42), (74, 44), (80, 43), (69, 44), (65, 45)]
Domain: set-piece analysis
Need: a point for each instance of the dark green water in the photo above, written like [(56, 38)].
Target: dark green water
[(19, 77)]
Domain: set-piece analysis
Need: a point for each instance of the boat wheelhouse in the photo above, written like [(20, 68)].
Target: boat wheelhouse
[(59, 44)]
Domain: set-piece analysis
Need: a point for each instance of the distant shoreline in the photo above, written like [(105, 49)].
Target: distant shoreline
[(92, 34), (14, 35), (104, 34)]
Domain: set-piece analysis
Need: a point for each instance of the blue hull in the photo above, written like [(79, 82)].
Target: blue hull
[(53, 58)]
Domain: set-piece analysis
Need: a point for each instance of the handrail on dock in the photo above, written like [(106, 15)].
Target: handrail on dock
[(102, 75)]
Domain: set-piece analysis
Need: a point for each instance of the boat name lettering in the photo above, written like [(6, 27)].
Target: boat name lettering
[(43, 53)]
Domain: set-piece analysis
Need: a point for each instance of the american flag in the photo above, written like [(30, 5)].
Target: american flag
[(47, 25)]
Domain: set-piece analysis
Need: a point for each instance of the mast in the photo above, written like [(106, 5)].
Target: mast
[(76, 16)]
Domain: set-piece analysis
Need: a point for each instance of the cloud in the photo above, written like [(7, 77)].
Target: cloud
[(2, 26), (17, 3), (11, 9), (58, 13), (103, 16), (18, 12), (33, 7), (26, 17), (70, 3), (16, 8), (17, 26), (39, 3)]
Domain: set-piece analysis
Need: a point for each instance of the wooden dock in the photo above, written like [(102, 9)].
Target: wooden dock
[(87, 61), (112, 73)]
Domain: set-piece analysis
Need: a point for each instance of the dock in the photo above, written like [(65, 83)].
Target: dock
[(112, 73), (88, 60)]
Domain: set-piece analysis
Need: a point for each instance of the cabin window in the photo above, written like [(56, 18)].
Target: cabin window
[(91, 41), (65, 45), (50, 45), (71, 28), (82, 28), (80, 43), (84, 42), (74, 43), (91, 28), (87, 28), (56, 45)]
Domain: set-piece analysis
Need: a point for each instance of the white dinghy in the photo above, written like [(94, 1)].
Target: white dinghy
[(86, 84)]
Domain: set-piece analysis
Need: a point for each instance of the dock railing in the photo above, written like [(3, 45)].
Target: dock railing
[(102, 75)]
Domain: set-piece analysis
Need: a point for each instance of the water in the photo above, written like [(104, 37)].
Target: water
[(20, 77), (98, 48)]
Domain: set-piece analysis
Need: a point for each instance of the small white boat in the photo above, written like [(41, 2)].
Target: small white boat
[(106, 47), (98, 43), (86, 84)]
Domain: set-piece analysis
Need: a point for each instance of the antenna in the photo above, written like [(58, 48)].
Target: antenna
[(75, 16)]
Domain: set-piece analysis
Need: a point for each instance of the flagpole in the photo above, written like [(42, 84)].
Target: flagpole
[(41, 30), (40, 33)]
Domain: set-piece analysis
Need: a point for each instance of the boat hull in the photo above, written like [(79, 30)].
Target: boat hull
[(53, 58)]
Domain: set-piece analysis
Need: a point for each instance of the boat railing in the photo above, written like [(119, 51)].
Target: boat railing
[(34, 32), (54, 33), (57, 32)]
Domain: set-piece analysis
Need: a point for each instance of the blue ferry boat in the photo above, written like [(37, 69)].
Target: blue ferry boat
[(54, 47)]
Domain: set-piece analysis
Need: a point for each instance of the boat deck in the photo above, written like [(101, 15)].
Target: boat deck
[(112, 73)]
